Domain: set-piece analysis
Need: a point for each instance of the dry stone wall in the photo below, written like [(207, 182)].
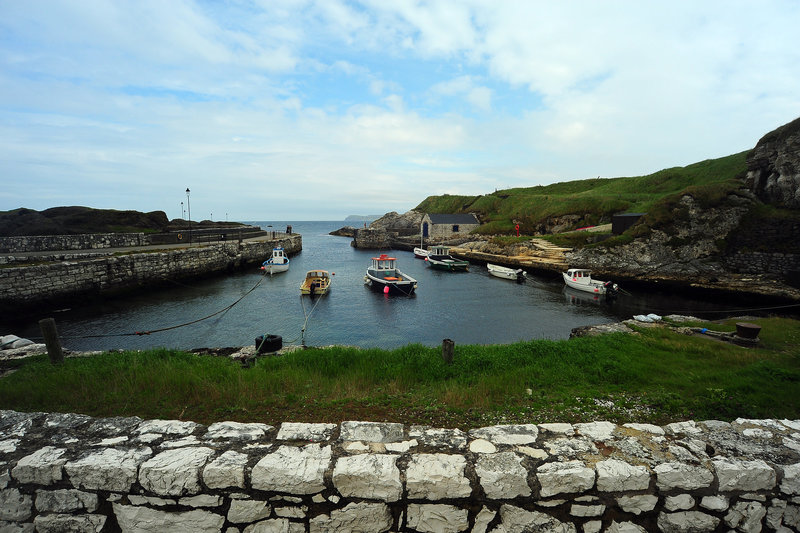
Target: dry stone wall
[(88, 241), (68, 472), (29, 286)]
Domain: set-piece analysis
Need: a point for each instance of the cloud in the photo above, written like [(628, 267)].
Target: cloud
[(326, 108)]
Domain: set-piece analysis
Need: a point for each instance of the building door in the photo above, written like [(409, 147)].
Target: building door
[(424, 229)]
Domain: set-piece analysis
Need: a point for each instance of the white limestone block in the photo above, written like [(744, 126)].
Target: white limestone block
[(291, 512), (680, 502), (558, 428), (507, 434), (145, 520), (65, 501), (401, 447), (746, 517), (593, 526), (373, 517), (518, 519), (14, 505), (9, 445), (167, 427), (226, 471), (437, 476), (152, 501), (566, 477), (625, 527), (306, 432), (174, 472), (482, 446), (293, 470), (110, 469), (734, 474), (570, 448), (618, 476), (682, 476), (790, 484), (642, 503), (368, 476), (646, 428), (236, 431), (201, 500), (437, 518), (714, 503), (683, 428), (355, 447), (685, 521), (502, 475), (277, 525), (601, 431), (584, 511), (59, 523), (248, 511), (42, 467), (371, 431), (483, 519), (536, 453), (439, 437)]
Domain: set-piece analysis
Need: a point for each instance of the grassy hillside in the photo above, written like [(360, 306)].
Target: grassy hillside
[(594, 200)]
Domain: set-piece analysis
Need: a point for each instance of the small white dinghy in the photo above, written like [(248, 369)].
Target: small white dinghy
[(516, 274), (581, 279)]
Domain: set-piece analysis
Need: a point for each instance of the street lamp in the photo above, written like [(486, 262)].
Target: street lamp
[(183, 211), (189, 207)]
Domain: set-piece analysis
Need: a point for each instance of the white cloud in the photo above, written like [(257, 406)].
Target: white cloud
[(125, 104)]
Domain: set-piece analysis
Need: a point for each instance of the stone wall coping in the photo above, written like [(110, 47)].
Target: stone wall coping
[(61, 470)]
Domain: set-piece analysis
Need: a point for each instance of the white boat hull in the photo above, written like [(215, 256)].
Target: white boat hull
[(505, 272), (420, 253), (585, 284), (275, 269)]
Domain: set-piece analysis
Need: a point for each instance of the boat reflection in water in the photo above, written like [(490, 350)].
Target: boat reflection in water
[(576, 297)]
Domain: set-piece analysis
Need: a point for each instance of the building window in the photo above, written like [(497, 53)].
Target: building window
[(455, 228)]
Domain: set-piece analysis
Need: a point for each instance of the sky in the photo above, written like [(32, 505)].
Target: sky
[(315, 110)]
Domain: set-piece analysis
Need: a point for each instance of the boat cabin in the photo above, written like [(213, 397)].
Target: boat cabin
[(384, 262), (439, 250), (579, 273)]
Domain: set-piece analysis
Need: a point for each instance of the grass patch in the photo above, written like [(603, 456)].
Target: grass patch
[(596, 200), (657, 376)]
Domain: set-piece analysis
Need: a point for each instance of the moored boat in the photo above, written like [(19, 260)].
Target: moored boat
[(581, 279), (383, 275), (279, 262), (316, 282), (439, 257), (516, 274), (420, 253)]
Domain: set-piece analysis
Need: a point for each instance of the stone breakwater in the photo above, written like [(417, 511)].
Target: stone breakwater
[(68, 472), (34, 285)]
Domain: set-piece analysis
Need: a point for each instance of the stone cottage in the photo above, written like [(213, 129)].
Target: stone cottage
[(446, 226)]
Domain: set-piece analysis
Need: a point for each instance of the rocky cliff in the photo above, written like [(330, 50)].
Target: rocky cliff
[(774, 167)]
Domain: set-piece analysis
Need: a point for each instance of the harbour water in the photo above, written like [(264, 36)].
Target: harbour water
[(467, 307)]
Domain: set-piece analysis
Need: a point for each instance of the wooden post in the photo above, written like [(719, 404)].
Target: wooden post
[(48, 327), (447, 350)]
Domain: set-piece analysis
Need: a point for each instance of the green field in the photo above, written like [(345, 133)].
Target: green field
[(594, 200), (658, 376)]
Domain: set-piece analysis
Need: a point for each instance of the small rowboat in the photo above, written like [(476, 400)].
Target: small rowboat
[(517, 274)]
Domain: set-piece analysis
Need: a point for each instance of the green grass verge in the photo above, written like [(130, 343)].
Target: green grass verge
[(656, 376)]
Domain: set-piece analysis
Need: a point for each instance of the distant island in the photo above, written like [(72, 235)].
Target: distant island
[(362, 218)]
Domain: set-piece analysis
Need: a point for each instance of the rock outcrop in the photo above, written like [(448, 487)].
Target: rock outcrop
[(773, 167)]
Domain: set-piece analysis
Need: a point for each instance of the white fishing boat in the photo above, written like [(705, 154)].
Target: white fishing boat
[(516, 274), (420, 253), (279, 262), (581, 279), (383, 275)]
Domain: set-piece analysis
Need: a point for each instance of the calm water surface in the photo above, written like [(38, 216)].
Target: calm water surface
[(468, 307)]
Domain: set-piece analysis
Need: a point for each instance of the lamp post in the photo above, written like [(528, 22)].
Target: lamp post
[(189, 207), (183, 211)]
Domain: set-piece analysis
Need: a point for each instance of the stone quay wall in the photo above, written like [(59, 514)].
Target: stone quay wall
[(783, 264), (30, 286), (88, 241), (68, 472), (370, 238)]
